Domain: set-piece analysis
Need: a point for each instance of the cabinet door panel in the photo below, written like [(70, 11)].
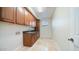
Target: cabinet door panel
[(20, 16), (8, 14), (37, 28), (29, 20), (27, 39), (26, 17), (33, 39)]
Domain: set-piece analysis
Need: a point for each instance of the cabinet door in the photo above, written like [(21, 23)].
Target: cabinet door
[(0, 12), (26, 17), (27, 39), (20, 16), (37, 25), (8, 14), (34, 38), (29, 20), (32, 21)]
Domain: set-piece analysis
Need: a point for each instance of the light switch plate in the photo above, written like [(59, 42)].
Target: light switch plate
[(17, 33)]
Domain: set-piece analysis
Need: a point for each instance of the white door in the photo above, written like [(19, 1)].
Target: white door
[(63, 27), (76, 29)]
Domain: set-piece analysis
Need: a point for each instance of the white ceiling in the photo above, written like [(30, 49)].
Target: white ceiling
[(46, 14)]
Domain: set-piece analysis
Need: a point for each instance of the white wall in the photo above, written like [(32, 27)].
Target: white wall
[(61, 29), (8, 38)]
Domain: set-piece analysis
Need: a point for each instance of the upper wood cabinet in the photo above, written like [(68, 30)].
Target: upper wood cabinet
[(37, 25), (20, 16), (32, 21), (26, 17), (8, 14), (29, 20)]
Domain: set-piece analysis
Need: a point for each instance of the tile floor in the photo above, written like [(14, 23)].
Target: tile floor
[(42, 45)]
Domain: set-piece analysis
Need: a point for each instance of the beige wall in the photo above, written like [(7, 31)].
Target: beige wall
[(8, 38)]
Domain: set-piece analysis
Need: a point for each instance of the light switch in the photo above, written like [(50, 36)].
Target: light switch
[(17, 33)]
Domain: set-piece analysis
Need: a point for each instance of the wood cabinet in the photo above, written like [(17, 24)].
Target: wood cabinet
[(29, 38), (8, 14), (20, 16), (17, 15), (29, 19), (37, 28), (24, 17), (32, 21)]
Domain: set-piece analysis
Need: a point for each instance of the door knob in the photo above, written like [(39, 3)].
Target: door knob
[(71, 39)]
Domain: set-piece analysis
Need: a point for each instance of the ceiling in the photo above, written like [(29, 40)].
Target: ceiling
[(47, 12)]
